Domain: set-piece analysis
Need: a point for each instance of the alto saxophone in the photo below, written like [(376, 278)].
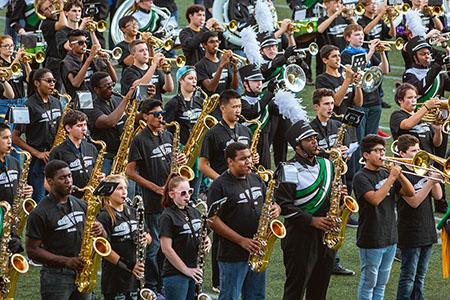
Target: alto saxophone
[(61, 133), (268, 230), (10, 264), (22, 206), (334, 238), (144, 293), (92, 248), (182, 170), (204, 122), (200, 295)]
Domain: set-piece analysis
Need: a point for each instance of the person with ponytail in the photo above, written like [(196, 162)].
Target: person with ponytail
[(180, 230), (120, 274)]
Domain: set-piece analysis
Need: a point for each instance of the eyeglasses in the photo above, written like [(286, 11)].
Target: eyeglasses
[(8, 46), (379, 150), (80, 42), (185, 192), (49, 80), (134, 24), (108, 85), (157, 114)]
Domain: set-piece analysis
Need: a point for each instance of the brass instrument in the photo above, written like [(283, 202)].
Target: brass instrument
[(395, 11), (200, 295), (7, 73), (268, 230), (440, 39), (156, 42), (61, 133), (435, 11), (120, 161), (351, 9), (115, 53), (99, 26), (22, 206), (300, 26), (240, 59), (230, 26), (93, 180), (183, 170), (312, 49), (92, 248), (294, 78), (386, 45), (334, 238), (371, 79), (437, 115), (179, 61), (28, 57), (57, 8), (204, 122), (147, 294), (10, 264)]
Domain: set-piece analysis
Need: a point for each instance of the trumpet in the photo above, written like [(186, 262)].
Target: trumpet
[(386, 45), (7, 73), (100, 26), (440, 39), (395, 11), (312, 49), (56, 11), (28, 57), (115, 53), (154, 41), (179, 61), (299, 26), (240, 59), (231, 26), (435, 11), (349, 10)]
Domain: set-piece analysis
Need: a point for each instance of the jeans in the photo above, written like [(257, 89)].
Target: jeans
[(375, 269), (236, 278), (370, 122), (179, 287), (152, 265), (122, 296), (36, 178), (59, 284), (107, 165), (412, 272)]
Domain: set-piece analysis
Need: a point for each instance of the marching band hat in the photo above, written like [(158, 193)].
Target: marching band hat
[(267, 39), (299, 131), (250, 72), (417, 43)]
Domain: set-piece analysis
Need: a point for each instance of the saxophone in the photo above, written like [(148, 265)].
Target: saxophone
[(268, 230), (93, 180), (205, 121), (144, 293), (10, 264), (92, 248), (200, 295), (334, 238), (120, 162), (182, 170), (61, 133), (22, 206)]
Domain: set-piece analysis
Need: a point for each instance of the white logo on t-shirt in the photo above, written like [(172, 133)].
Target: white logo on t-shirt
[(70, 221)]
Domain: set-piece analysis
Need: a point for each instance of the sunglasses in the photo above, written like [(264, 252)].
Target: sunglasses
[(185, 192), (49, 80), (80, 42), (157, 114)]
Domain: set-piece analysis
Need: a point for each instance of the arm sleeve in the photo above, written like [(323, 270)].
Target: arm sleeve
[(207, 145), (361, 185), (129, 76), (165, 226), (105, 220), (134, 153), (171, 110), (35, 227)]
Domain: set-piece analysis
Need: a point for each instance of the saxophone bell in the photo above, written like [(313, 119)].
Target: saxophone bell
[(147, 294)]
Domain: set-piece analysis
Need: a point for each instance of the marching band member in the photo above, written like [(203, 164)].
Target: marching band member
[(375, 190), (149, 161), (429, 21), (148, 19), (130, 29), (106, 118), (371, 21), (303, 195), (345, 95), (77, 67), (119, 280), (180, 234), (416, 226), (54, 235), (75, 150), (241, 194), (45, 113), (144, 71)]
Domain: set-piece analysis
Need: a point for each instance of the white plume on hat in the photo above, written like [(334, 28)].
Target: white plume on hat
[(290, 107), (414, 23), (263, 16), (251, 46)]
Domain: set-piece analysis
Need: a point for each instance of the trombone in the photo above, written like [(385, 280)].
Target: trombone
[(240, 59), (115, 53), (100, 26), (299, 26), (7, 73)]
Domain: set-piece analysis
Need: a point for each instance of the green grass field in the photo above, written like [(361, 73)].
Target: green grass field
[(340, 287)]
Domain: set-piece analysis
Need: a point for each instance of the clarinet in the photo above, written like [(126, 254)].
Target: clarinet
[(144, 293), (201, 251)]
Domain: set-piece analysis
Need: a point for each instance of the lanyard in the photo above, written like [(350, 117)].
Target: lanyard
[(231, 132)]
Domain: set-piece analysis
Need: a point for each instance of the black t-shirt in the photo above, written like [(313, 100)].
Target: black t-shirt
[(152, 155), (9, 178), (16, 81), (125, 52), (377, 224), (333, 83), (242, 200), (111, 136), (44, 120), (80, 160), (334, 34), (327, 133), (191, 44), (122, 237), (49, 32), (59, 226), (178, 225), (218, 138), (416, 227), (423, 131), (133, 73), (206, 69), (379, 31), (186, 113)]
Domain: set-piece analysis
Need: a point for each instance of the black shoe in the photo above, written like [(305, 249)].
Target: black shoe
[(352, 222), (341, 270), (385, 105), (440, 206), (398, 255)]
